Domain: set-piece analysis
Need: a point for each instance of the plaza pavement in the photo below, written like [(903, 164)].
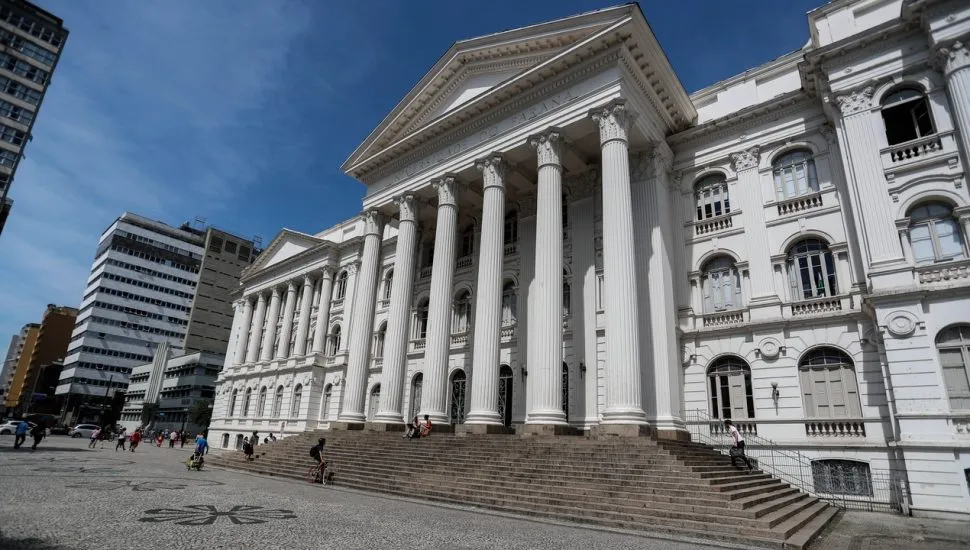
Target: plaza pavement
[(66, 497)]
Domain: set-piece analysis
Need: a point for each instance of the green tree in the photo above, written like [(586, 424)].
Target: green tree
[(201, 413)]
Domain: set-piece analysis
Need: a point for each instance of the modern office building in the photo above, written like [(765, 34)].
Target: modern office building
[(26, 341), (8, 366), (53, 335), (31, 41), (150, 284), (557, 237)]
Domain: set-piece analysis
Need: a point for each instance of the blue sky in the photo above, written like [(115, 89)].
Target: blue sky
[(241, 111)]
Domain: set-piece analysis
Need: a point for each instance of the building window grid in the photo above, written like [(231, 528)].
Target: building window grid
[(278, 402), (462, 312), (8, 158), (23, 69), (15, 113), (934, 234), (906, 115), (795, 175), (721, 285), (953, 346), (829, 386), (711, 194), (19, 91), (27, 48), (33, 28), (811, 270), (12, 135), (509, 303), (730, 389)]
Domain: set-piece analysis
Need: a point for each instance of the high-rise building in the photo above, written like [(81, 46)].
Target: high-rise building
[(150, 283), (25, 348), (9, 363), (53, 335), (31, 41)]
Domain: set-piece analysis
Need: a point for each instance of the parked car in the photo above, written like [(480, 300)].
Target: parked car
[(10, 426), (60, 430), (83, 430)]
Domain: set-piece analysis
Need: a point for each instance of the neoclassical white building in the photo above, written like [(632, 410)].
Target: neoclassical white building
[(555, 234)]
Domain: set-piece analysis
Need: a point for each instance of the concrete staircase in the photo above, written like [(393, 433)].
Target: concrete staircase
[(642, 484)]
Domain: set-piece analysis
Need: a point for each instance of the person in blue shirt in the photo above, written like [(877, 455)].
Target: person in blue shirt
[(21, 434)]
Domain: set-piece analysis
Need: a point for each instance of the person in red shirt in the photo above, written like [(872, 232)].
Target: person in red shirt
[(426, 427), (135, 439)]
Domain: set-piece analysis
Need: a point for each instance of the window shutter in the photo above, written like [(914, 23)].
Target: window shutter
[(779, 187), (820, 393), (739, 400), (955, 378), (706, 289), (853, 403), (805, 378)]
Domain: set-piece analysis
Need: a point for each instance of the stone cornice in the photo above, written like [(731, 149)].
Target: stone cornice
[(755, 115)]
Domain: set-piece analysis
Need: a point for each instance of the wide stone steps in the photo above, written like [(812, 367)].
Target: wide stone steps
[(670, 487)]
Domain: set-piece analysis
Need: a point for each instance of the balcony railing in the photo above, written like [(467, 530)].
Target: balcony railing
[(915, 149), (827, 304), (723, 318), (511, 249), (378, 362), (799, 204), (835, 428), (464, 261), (713, 225), (425, 272), (459, 339), (383, 304), (944, 272), (508, 332), (337, 303), (418, 344)]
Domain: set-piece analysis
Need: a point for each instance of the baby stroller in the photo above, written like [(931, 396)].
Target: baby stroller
[(195, 462)]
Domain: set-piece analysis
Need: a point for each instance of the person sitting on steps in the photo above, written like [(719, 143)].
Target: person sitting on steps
[(413, 429), (426, 427), (316, 452), (738, 449)]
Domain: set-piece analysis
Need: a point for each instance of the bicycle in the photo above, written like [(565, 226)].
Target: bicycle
[(318, 473)]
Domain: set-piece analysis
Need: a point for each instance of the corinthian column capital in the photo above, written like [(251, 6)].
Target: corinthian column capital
[(407, 207), (493, 169), (373, 223), (856, 101), (446, 187), (548, 147), (954, 57), (746, 160), (614, 120)]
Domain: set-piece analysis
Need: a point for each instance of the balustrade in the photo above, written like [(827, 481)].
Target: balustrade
[(714, 224), (799, 204), (838, 428), (917, 148), (821, 305), (949, 271), (724, 318)]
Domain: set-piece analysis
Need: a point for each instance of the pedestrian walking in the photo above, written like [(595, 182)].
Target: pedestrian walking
[(737, 451), (182, 436), (20, 434), (38, 432), (172, 438), (135, 440), (94, 438), (121, 440)]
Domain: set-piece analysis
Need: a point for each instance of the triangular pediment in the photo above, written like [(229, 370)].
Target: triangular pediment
[(284, 246), (472, 68)]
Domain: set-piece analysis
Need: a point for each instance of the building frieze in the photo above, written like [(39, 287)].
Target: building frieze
[(756, 115)]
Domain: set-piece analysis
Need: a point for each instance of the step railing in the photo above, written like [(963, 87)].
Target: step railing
[(847, 484)]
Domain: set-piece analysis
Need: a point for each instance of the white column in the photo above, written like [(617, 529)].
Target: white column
[(323, 310), (362, 320), (623, 389), (545, 317), (269, 338), (349, 300), (956, 71), (244, 328), (434, 393), (252, 350), (304, 324), (283, 350), (488, 302), (745, 164), (396, 340)]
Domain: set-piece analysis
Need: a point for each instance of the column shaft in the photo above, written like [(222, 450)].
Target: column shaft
[(488, 304), (753, 218), (283, 350), (362, 320), (545, 345), (244, 328), (304, 324), (956, 70), (434, 396), (323, 310), (623, 390), (269, 338), (396, 339), (252, 351)]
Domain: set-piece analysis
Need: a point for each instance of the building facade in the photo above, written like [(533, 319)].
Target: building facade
[(150, 284), (26, 342), (53, 335), (32, 40), (556, 235), (9, 364)]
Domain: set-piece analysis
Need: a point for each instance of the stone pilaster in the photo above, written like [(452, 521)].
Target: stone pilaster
[(304, 324), (956, 71), (396, 338), (623, 384), (545, 315), (283, 350), (244, 327), (269, 337), (752, 203), (434, 394), (488, 304), (323, 310), (252, 349), (362, 319)]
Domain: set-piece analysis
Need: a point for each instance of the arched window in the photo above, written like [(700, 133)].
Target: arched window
[(421, 320), (297, 401), (712, 197), (467, 241), (729, 380), (906, 114), (829, 387), (278, 402), (327, 394), (811, 270), (225, 441), (379, 340), (388, 283), (246, 398), (795, 174), (239, 441), (842, 477), (374, 402), (462, 311), (953, 345), (333, 342), (261, 402), (340, 289), (721, 285), (566, 294), (458, 384), (935, 234), (232, 403), (508, 303), (511, 232)]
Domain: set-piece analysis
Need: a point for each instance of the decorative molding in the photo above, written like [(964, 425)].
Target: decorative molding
[(446, 188), (641, 165), (901, 324), (407, 208), (548, 146), (528, 205), (856, 101), (746, 160), (373, 223), (493, 168), (954, 57), (584, 184), (614, 120), (352, 268), (770, 348)]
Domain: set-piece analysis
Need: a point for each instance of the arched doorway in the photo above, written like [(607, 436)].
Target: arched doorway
[(565, 390), (416, 383), (505, 394), (375, 400), (458, 397)]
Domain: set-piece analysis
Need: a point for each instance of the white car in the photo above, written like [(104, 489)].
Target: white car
[(83, 430), (10, 426)]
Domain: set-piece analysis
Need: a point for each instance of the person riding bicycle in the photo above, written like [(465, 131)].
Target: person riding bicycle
[(316, 452)]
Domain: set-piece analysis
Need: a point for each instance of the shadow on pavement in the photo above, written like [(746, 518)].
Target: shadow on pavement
[(28, 544)]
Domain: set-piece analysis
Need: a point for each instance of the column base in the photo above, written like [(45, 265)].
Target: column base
[(378, 426), (487, 417), (345, 426), (389, 418), (547, 430), (483, 429), (620, 430), (624, 416), (550, 417)]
